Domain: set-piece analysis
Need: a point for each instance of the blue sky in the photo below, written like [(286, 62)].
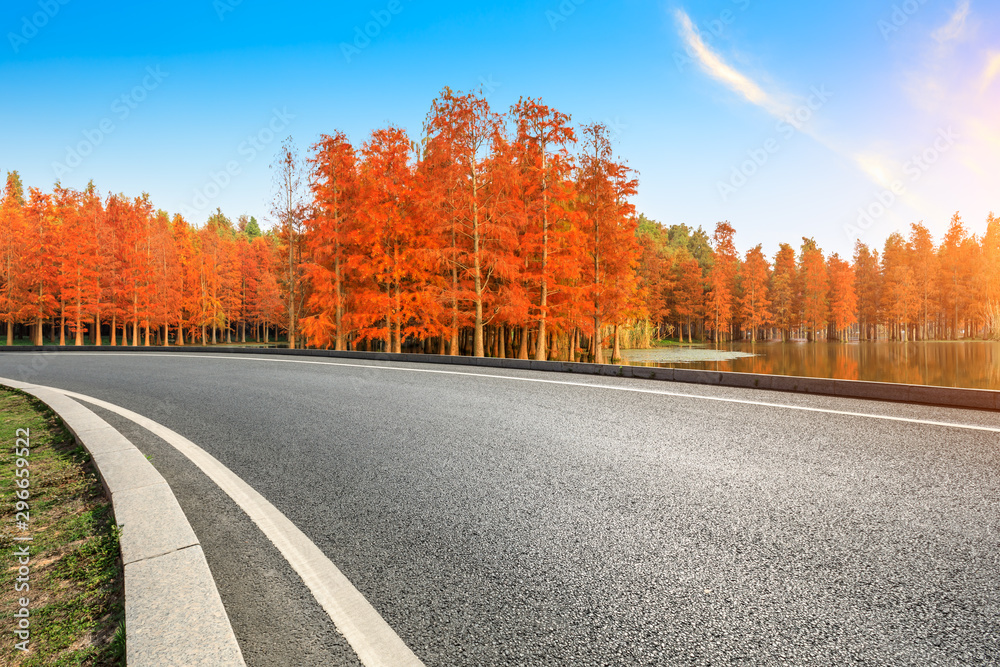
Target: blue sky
[(164, 96)]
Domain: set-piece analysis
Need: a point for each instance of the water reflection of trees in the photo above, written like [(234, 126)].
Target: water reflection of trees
[(974, 364)]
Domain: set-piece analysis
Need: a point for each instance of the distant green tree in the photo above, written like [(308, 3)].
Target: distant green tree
[(248, 226)]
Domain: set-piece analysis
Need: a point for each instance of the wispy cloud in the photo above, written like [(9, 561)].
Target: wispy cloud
[(713, 64), (990, 72), (955, 28), (958, 87), (872, 165)]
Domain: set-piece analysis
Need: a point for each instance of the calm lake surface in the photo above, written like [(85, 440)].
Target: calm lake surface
[(972, 364)]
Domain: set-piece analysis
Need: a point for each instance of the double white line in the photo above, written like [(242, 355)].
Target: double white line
[(375, 643)]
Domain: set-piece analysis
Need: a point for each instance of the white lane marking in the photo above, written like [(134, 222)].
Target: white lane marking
[(720, 399), (375, 643)]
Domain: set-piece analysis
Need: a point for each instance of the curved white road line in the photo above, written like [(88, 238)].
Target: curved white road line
[(720, 399), (375, 643)]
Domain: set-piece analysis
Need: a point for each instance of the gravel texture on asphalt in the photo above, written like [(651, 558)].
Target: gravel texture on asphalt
[(497, 522)]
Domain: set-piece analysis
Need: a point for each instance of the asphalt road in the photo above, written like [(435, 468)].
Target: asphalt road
[(493, 521)]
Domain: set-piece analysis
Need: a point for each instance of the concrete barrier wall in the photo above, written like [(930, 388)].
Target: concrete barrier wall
[(883, 391)]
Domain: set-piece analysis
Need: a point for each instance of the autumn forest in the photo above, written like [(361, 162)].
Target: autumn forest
[(495, 234)]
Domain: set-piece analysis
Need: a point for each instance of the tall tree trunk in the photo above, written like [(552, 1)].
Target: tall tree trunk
[(291, 287), (398, 322), (78, 338), (477, 345), (544, 300), (339, 315), (616, 351)]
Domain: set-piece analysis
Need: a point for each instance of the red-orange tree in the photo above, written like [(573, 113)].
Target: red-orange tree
[(334, 187), (605, 188), (721, 281), (754, 302), (814, 286), (842, 298)]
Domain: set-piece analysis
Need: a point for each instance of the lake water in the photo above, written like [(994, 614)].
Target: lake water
[(972, 364)]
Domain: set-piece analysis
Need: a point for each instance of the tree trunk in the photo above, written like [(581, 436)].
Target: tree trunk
[(598, 342), (398, 321)]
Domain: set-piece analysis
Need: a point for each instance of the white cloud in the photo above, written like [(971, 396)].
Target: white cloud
[(990, 72), (955, 28), (872, 165), (719, 69)]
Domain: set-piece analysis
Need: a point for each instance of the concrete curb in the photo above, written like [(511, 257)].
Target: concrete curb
[(981, 399), (173, 612)]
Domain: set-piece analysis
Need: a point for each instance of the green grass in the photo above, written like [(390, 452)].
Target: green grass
[(77, 611)]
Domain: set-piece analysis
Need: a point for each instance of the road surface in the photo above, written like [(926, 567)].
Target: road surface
[(497, 517)]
